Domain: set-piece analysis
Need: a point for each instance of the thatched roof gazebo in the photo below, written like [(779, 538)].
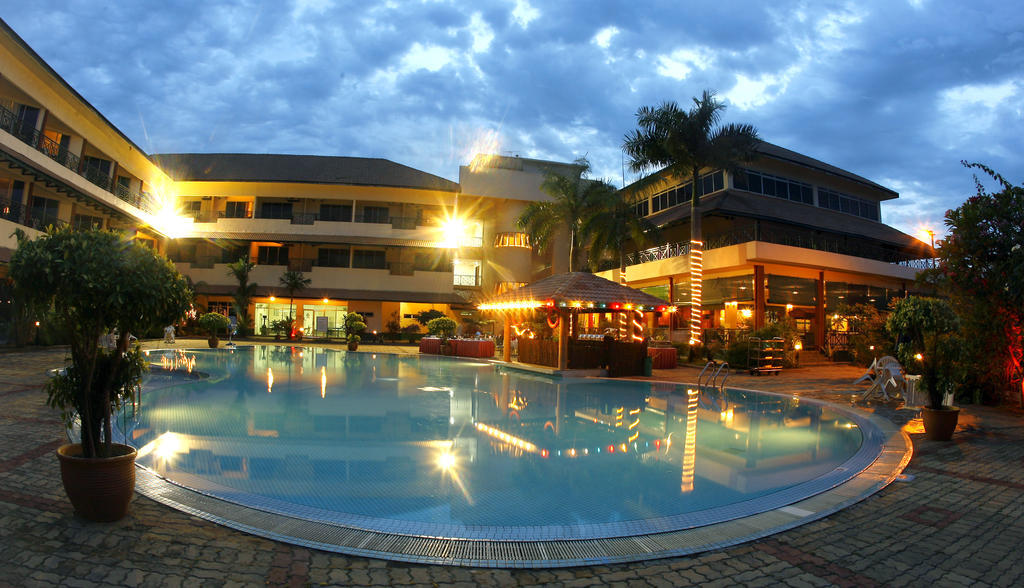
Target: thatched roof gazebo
[(570, 294)]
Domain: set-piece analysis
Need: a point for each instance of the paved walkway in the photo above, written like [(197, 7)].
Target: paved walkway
[(958, 522)]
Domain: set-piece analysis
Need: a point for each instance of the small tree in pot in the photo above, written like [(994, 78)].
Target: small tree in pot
[(213, 323), (98, 282), (444, 328), (353, 326), (925, 329)]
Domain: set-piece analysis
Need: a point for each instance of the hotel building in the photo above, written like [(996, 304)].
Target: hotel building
[(787, 235)]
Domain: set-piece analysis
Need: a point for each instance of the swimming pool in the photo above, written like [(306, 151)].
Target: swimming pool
[(435, 447)]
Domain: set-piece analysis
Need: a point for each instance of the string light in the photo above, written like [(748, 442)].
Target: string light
[(696, 285)]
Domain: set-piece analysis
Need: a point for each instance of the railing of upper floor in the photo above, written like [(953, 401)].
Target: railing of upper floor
[(832, 244), (17, 212), (10, 122)]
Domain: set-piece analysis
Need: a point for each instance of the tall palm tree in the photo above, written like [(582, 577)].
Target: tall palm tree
[(240, 270), (684, 142), (293, 281), (572, 197)]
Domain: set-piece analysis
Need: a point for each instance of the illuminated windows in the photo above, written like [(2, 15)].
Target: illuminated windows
[(512, 240)]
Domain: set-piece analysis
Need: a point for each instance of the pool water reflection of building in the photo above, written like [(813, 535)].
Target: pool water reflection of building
[(437, 441)]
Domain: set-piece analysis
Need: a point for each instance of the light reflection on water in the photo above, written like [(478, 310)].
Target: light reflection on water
[(433, 440)]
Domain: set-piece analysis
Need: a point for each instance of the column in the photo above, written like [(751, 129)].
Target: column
[(506, 333), (819, 311), (563, 340), (759, 297)]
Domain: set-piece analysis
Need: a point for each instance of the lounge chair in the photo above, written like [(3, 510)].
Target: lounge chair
[(887, 379)]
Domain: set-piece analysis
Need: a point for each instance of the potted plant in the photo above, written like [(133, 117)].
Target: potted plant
[(99, 282), (925, 329), (443, 328), (212, 323), (280, 327), (353, 326)]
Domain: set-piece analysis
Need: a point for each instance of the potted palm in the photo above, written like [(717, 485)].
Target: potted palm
[(925, 329), (354, 325), (98, 282), (213, 323)]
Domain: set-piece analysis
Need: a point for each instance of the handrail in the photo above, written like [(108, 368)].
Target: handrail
[(714, 379), (700, 376)]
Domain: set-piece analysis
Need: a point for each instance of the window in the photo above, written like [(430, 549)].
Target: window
[(849, 204), (191, 208), (219, 307), (376, 214), (769, 185), (44, 212), (369, 259), (332, 257), (82, 222), (276, 210), (512, 240), (272, 256), (642, 208), (467, 272), (183, 252), (682, 193), (232, 253), (236, 209), (336, 212), (436, 260)]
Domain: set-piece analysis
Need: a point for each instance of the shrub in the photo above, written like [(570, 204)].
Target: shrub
[(443, 327), (213, 323)]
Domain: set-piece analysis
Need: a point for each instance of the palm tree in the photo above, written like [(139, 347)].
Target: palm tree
[(293, 281), (610, 224), (240, 270), (683, 142), (572, 197)]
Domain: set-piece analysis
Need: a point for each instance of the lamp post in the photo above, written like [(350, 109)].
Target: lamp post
[(931, 235)]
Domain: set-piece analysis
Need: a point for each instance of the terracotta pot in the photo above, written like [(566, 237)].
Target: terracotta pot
[(939, 424), (353, 345), (99, 489), (213, 341)]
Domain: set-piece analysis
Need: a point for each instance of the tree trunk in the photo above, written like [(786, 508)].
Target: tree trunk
[(696, 262)]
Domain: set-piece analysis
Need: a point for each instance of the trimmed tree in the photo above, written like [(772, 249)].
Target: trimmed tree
[(98, 281), (293, 281), (240, 270)]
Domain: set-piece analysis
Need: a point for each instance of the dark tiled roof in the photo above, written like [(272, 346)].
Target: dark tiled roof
[(343, 294), (579, 286), (305, 169), (750, 205)]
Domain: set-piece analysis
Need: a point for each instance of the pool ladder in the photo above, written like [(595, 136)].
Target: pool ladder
[(711, 378)]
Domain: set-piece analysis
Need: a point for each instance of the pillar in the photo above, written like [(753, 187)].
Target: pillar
[(506, 333), (759, 297), (819, 311), (563, 340)]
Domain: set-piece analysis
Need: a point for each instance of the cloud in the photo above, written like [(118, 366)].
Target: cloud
[(896, 92)]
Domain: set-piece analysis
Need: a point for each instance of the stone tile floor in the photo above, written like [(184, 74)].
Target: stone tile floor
[(959, 521)]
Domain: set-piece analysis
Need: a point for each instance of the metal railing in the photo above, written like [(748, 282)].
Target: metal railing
[(40, 142), (466, 280), (304, 218), (666, 251), (371, 218)]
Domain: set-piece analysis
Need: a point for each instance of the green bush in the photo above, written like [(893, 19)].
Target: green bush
[(737, 354), (354, 325), (442, 327), (213, 323)]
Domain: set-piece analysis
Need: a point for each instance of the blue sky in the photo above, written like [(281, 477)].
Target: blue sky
[(896, 91)]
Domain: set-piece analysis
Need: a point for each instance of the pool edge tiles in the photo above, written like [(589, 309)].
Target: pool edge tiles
[(890, 454)]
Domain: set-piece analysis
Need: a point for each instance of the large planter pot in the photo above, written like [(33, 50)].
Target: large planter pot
[(353, 345), (99, 489), (213, 341), (939, 424)]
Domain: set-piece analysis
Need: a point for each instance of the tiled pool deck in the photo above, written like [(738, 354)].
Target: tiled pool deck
[(957, 522)]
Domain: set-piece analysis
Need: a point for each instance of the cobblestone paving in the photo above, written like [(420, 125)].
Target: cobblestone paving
[(958, 522)]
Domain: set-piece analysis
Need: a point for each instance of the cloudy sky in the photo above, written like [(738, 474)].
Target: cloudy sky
[(898, 91)]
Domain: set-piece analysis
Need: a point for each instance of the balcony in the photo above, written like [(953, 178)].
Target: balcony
[(471, 280), (9, 122)]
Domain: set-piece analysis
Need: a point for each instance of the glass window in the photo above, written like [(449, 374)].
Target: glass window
[(272, 256), (336, 212), (788, 290), (720, 290), (512, 240), (82, 222), (44, 212), (332, 257), (236, 210), (376, 214), (369, 259), (276, 210)]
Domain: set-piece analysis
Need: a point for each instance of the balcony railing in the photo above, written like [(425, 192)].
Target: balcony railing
[(666, 251), (372, 218), (466, 280), (401, 268), (30, 136), (304, 218), (299, 264)]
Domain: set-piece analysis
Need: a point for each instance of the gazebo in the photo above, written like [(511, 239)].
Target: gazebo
[(565, 297)]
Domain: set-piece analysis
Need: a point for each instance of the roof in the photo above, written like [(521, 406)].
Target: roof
[(578, 286), (303, 169), (345, 294), (752, 205), (773, 151)]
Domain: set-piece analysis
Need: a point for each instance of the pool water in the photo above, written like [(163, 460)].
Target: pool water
[(444, 447)]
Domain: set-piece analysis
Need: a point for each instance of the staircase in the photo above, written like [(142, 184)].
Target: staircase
[(813, 357)]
